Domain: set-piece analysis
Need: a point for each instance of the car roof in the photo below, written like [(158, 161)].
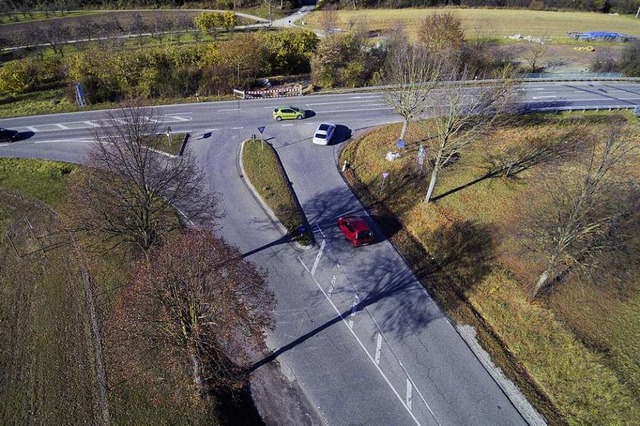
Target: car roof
[(325, 126), (358, 223)]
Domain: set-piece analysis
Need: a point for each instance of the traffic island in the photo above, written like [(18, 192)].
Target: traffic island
[(266, 176)]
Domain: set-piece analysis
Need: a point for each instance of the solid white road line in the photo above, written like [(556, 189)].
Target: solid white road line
[(33, 129), (386, 379), (66, 140)]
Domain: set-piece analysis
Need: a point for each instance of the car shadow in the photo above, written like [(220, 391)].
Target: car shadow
[(21, 136), (341, 134), (309, 113), (9, 136), (387, 225)]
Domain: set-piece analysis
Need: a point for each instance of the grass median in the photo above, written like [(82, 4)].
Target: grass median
[(263, 169)]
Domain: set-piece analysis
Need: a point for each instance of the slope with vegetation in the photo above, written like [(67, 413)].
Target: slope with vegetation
[(577, 343)]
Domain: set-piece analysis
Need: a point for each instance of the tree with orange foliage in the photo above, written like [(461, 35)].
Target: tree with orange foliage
[(201, 297)]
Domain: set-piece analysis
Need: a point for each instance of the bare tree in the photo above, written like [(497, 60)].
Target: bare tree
[(414, 75), (132, 194), (329, 20), (535, 55), (56, 34), (461, 113), (88, 29), (162, 25), (589, 211), (214, 306)]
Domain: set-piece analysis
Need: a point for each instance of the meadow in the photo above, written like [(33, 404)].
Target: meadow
[(573, 353)]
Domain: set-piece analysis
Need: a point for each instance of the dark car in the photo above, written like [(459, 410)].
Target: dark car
[(7, 135), (356, 230)]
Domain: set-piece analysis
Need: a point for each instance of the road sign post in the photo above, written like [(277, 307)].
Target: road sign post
[(261, 130)]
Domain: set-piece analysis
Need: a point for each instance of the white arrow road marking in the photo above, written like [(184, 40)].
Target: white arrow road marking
[(333, 282), (315, 264), (354, 306), (378, 348)]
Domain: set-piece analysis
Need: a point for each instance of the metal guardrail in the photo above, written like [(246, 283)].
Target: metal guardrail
[(588, 108), (573, 75)]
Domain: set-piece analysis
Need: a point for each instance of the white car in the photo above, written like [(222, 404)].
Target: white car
[(324, 133)]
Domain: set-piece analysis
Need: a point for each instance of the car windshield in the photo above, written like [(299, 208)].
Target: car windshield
[(324, 127), (364, 235)]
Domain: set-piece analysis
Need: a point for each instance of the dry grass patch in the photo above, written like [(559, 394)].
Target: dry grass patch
[(486, 23), (577, 348)]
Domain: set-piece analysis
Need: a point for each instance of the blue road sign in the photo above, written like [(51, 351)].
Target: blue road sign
[(261, 129), (400, 143)]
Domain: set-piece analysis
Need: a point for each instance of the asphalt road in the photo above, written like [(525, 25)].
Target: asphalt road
[(355, 330)]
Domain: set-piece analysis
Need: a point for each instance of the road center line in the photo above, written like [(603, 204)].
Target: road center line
[(342, 318)]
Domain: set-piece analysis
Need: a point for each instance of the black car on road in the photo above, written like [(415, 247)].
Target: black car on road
[(7, 135)]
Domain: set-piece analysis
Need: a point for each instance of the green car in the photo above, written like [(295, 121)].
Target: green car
[(288, 113)]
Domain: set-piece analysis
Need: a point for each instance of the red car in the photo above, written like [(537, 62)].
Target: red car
[(356, 230)]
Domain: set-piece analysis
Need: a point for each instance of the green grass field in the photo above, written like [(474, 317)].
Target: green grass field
[(580, 345), (48, 373), (487, 23)]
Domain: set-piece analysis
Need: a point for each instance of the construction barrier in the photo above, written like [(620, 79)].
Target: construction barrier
[(270, 93)]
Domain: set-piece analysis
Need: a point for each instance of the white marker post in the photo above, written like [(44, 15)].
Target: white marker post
[(385, 175), (169, 137), (422, 154)]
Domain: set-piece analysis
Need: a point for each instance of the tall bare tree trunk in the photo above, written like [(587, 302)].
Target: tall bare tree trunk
[(434, 176), (432, 183), (543, 279), (197, 370), (405, 125)]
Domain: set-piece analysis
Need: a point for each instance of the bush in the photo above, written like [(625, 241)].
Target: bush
[(604, 61), (18, 76), (630, 59)]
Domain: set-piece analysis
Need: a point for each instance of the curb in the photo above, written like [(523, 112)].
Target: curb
[(274, 219)]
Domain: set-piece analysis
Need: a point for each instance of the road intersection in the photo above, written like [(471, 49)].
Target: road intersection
[(355, 329)]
